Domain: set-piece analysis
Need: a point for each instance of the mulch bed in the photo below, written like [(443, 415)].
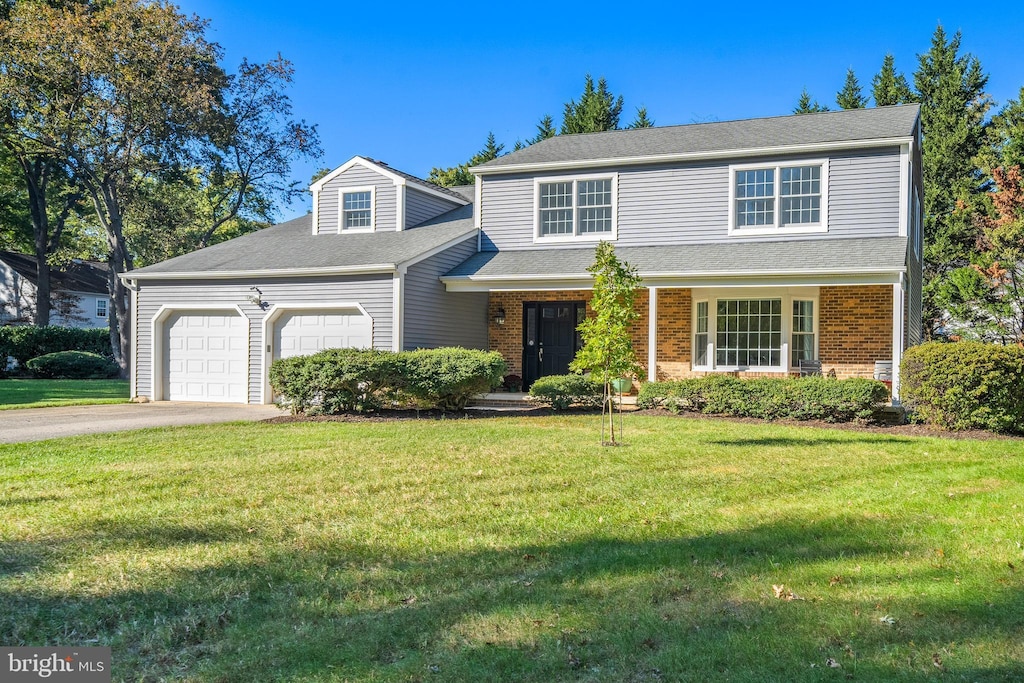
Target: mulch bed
[(402, 415)]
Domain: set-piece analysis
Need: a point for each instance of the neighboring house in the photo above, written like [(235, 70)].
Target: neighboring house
[(78, 292), (762, 244)]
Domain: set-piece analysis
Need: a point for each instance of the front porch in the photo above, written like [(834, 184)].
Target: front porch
[(692, 331)]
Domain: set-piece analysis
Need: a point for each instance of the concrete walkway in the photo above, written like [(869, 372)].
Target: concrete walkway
[(37, 424)]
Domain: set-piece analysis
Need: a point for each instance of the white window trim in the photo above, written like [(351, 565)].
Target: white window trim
[(372, 189), (788, 296), (809, 228), (105, 308), (588, 237)]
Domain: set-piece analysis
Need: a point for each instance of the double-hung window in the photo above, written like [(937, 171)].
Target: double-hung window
[(779, 198), (101, 308), (576, 208), (753, 332), (357, 209)]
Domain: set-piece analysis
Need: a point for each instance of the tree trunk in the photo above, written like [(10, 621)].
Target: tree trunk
[(108, 211), (36, 172)]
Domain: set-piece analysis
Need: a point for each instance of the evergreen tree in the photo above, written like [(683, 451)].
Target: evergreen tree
[(597, 110), (545, 130), (951, 88), (460, 174), (850, 96), (1006, 147), (641, 120), (805, 106), (889, 87)]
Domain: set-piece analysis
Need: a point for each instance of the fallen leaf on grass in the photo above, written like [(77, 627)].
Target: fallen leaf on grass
[(783, 593), (887, 620), (937, 660), (409, 600), (833, 664), (835, 580)]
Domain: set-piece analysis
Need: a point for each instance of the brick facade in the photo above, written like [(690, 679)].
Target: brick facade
[(855, 328)]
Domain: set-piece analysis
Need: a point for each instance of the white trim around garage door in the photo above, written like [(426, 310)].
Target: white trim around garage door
[(157, 341), (274, 314)]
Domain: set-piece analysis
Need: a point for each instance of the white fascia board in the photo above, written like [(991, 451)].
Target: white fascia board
[(284, 272), (690, 156)]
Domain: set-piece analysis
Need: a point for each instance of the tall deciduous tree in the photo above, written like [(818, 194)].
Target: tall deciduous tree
[(607, 351), (805, 106), (851, 97), (460, 175), (888, 87), (118, 90), (951, 89), (597, 110)]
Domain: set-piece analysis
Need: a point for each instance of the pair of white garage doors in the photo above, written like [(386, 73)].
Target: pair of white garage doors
[(208, 353)]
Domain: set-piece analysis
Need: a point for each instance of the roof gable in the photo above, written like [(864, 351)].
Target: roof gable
[(399, 178)]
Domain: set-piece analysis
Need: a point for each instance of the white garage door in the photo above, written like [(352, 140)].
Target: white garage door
[(207, 357), (304, 332)]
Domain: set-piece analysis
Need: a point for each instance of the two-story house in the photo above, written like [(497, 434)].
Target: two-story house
[(762, 244)]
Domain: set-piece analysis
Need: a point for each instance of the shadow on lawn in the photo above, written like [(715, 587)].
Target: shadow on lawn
[(789, 442), (598, 608)]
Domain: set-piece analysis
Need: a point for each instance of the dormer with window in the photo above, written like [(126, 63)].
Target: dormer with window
[(364, 195)]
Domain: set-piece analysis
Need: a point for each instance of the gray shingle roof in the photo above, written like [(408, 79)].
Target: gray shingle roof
[(292, 245), (781, 131), (876, 254), (77, 276), (416, 180)]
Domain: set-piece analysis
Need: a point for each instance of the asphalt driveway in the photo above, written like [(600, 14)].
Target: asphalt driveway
[(37, 424)]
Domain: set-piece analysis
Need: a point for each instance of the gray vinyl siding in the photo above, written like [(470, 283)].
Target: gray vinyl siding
[(689, 203), (385, 200), (374, 292), (420, 206), (435, 317)]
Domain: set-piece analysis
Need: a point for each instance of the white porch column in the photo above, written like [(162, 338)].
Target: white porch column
[(652, 334), (898, 303)]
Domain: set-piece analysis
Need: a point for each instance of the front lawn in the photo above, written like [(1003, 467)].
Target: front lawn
[(516, 549), (41, 393)]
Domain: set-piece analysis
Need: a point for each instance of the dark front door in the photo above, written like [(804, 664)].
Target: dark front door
[(550, 339)]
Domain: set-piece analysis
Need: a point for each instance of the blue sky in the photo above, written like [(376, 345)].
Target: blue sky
[(420, 85)]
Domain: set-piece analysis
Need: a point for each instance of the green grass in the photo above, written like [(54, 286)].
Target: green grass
[(516, 549), (42, 393)]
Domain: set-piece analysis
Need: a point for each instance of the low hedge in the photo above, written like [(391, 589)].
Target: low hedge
[(562, 391), (25, 342), (364, 380), (804, 398), (72, 365), (965, 385)]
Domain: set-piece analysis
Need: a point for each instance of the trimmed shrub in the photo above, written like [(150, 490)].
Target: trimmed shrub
[(363, 380), (965, 385), (337, 380), (804, 398), (447, 378), (72, 365), (562, 391), (25, 342)]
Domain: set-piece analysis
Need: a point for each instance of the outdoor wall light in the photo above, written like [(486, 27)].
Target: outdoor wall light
[(258, 298), (499, 317)]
